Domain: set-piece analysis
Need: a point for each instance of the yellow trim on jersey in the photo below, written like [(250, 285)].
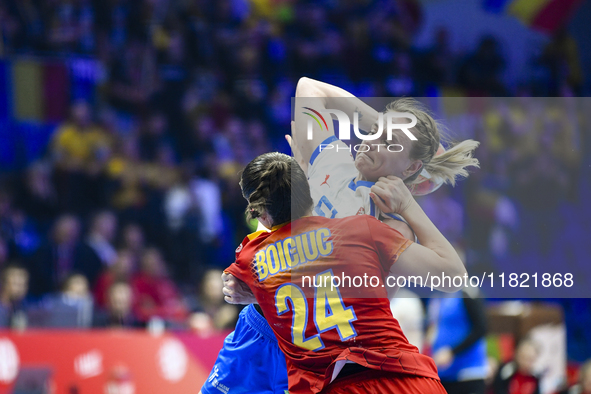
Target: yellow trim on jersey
[(259, 232)]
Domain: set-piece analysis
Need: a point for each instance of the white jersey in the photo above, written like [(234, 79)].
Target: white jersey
[(331, 175)]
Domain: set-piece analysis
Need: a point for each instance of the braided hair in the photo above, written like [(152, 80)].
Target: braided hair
[(275, 183)]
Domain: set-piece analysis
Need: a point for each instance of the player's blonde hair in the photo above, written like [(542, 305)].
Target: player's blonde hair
[(447, 166), (274, 183)]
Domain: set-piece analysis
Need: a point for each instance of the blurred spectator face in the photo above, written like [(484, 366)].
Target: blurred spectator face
[(133, 237), (204, 128), (374, 164), (157, 124), (526, 356), (212, 286), (66, 230), (15, 284), (234, 128), (38, 179), (176, 48), (153, 264), (81, 113), (76, 286), (105, 224), (124, 264), (201, 323), (120, 299), (130, 149), (256, 130)]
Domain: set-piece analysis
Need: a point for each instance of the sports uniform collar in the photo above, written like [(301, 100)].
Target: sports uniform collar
[(353, 185), (257, 233)]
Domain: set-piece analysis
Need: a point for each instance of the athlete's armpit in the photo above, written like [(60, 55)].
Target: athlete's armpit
[(401, 227)]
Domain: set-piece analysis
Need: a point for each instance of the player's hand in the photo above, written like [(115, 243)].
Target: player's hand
[(443, 357), (295, 150), (236, 291), (391, 195)]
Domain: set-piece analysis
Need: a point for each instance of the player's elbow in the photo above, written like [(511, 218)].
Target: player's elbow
[(307, 88), (456, 272)]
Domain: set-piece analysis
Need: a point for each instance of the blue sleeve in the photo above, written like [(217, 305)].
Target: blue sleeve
[(317, 151)]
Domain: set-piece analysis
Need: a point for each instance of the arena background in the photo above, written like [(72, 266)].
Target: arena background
[(124, 124)]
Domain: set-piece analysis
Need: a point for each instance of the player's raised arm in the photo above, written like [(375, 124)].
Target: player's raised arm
[(338, 98), (435, 255), (313, 97)]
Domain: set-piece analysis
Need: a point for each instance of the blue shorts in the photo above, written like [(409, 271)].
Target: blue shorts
[(250, 361)]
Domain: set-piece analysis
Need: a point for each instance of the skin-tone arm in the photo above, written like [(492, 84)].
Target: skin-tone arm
[(435, 255), (319, 96), (236, 291)]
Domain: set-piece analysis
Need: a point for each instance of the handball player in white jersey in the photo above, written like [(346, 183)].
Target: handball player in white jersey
[(340, 187)]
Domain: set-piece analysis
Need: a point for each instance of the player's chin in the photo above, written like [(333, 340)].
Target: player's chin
[(368, 173), (363, 163)]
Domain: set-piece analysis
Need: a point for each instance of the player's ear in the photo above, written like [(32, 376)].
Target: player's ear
[(414, 166), (266, 220)]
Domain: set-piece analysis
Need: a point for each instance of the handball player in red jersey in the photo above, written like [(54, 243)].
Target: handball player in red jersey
[(336, 339)]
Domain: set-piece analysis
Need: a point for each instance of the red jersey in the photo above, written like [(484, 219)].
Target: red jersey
[(320, 327)]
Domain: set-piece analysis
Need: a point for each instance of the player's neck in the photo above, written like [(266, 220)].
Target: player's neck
[(360, 177)]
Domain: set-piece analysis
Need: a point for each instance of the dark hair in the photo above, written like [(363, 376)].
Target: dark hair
[(276, 184)]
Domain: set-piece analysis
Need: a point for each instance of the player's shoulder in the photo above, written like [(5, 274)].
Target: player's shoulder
[(252, 240), (349, 221)]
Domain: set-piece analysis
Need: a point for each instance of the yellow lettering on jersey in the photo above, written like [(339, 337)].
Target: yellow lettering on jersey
[(300, 315), (330, 312), (310, 247), (262, 268), (324, 247), (281, 255), (272, 259), (300, 249), (293, 251), (292, 261)]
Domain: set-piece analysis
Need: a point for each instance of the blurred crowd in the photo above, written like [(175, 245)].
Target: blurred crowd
[(135, 207)]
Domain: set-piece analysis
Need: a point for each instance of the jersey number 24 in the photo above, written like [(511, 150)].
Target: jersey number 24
[(329, 312)]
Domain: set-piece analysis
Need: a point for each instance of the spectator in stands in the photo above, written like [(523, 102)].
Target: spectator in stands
[(14, 284), (72, 307), (133, 240), (118, 309), (97, 251), (408, 309), (584, 382), (57, 257), (37, 195), (457, 330), (155, 295), (211, 303), (518, 377), (80, 150), (121, 270)]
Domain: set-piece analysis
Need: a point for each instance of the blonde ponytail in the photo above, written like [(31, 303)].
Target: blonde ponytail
[(451, 165), (445, 167)]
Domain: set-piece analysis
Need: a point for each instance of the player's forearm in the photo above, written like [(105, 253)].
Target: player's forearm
[(338, 98), (432, 238)]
